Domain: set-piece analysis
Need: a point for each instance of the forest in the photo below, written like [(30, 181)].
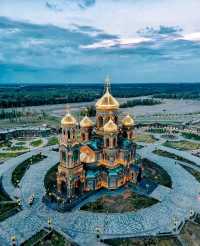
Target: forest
[(15, 95)]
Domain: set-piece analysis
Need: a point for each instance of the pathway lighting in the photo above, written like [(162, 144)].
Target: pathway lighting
[(13, 240), (49, 223)]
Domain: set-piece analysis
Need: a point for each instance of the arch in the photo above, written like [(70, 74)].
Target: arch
[(115, 119), (83, 136), (100, 121), (68, 134), (114, 142), (107, 142)]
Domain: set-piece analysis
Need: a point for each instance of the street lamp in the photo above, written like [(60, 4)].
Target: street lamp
[(13, 240), (49, 223), (191, 213), (98, 232)]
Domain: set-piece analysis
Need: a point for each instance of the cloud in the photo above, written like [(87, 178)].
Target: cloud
[(195, 37), (123, 42), (161, 31)]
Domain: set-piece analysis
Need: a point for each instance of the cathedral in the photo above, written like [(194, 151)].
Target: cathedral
[(96, 155)]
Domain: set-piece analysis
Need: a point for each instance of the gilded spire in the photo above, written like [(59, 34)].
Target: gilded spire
[(107, 86)]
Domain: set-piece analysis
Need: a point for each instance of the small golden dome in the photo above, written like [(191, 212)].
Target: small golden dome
[(110, 126), (68, 120), (127, 121), (86, 122)]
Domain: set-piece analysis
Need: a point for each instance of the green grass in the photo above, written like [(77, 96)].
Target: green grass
[(37, 142), (145, 138), (191, 136), (156, 173), (5, 144), (153, 241), (182, 145), (20, 143), (126, 202), (172, 156), (6, 209), (52, 141), (17, 148), (20, 170), (7, 155), (44, 237), (50, 178)]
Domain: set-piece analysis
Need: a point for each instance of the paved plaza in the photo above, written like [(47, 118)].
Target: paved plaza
[(81, 226)]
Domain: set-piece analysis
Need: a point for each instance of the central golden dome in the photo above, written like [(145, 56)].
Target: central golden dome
[(110, 126), (68, 120), (107, 101), (127, 121), (86, 122)]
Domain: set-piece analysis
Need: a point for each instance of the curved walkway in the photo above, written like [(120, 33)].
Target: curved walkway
[(82, 226)]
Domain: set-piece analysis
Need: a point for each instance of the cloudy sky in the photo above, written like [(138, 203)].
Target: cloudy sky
[(84, 40)]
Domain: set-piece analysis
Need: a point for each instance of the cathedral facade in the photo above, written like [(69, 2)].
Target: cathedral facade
[(96, 155)]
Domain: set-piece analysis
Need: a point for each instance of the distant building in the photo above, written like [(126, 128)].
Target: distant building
[(96, 155), (24, 132)]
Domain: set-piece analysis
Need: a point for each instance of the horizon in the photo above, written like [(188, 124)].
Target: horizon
[(83, 40)]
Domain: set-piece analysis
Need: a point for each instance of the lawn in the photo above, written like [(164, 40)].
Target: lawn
[(191, 136), (171, 155), (6, 209), (50, 178), (182, 145), (7, 155), (20, 170), (153, 241), (155, 173), (145, 138), (125, 202), (52, 141), (36, 143), (44, 237), (20, 143), (17, 148)]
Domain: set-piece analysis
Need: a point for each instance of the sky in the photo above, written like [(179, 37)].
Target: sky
[(79, 41)]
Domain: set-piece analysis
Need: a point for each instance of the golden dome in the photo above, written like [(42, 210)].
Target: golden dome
[(86, 122), (110, 126), (107, 101), (127, 121), (68, 120)]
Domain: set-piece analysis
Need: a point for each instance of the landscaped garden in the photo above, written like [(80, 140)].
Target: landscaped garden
[(50, 178), (20, 170), (155, 173), (36, 143), (152, 241), (123, 202), (171, 155), (190, 135), (52, 141), (7, 155), (145, 138), (48, 238), (182, 145), (7, 206)]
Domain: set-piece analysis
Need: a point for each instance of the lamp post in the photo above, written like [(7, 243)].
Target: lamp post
[(13, 240), (192, 213), (49, 223), (98, 232)]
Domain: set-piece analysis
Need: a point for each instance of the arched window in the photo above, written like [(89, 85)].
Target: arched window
[(100, 121), (115, 119), (68, 134), (107, 142), (74, 134), (114, 142), (83, 136)]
